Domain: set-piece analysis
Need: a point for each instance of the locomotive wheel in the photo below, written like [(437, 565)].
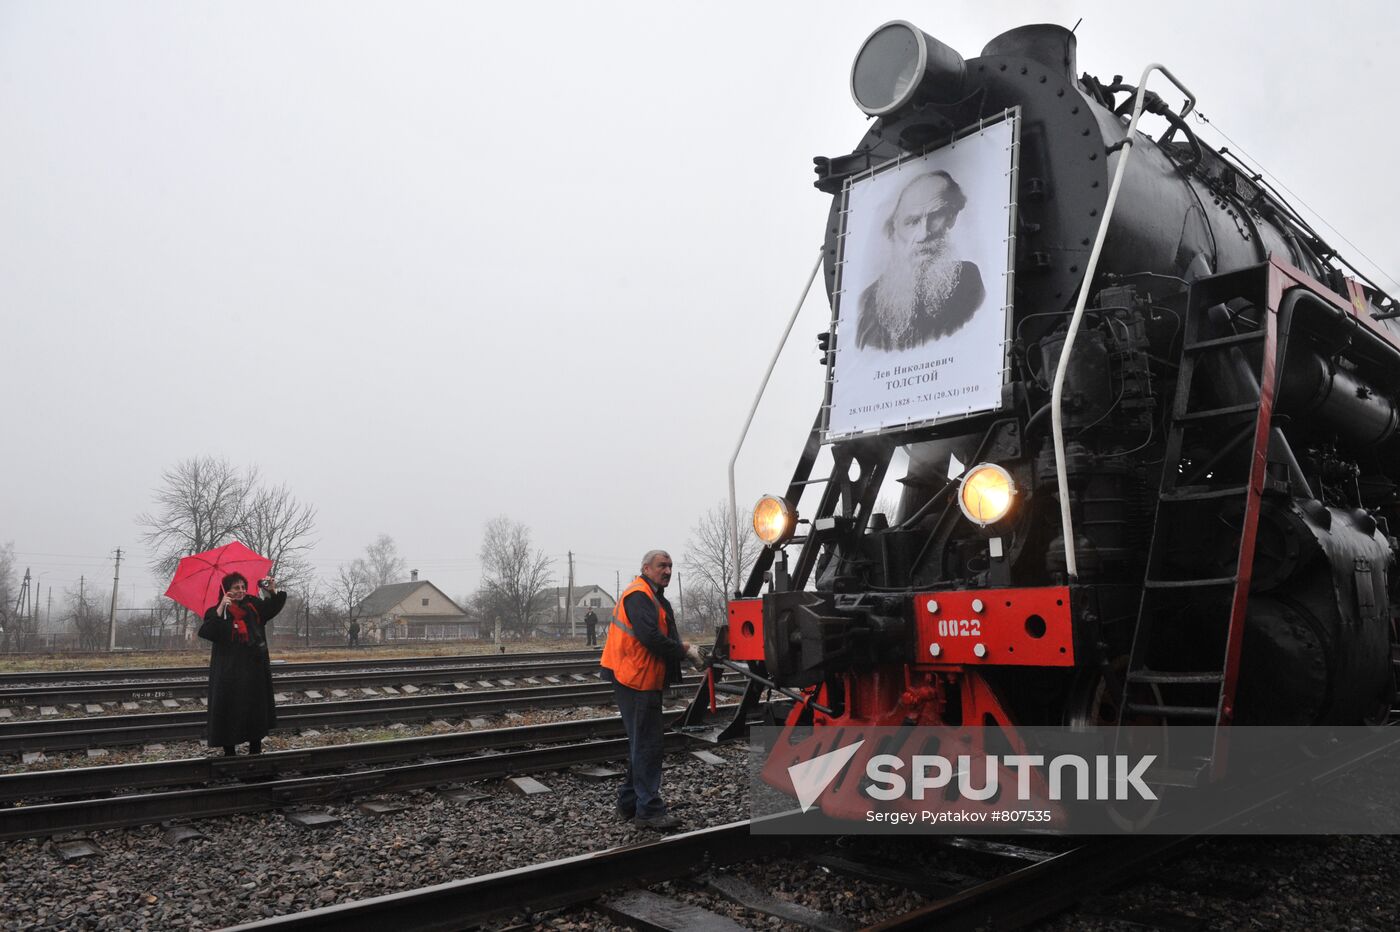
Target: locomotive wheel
[(1096, 698), (1379, 716), (1096, 701)]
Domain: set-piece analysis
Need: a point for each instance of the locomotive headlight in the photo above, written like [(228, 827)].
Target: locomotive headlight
[(774, 520), (986, 494), (900, 61)]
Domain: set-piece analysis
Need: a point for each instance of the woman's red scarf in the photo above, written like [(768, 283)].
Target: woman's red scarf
[(239, 614)]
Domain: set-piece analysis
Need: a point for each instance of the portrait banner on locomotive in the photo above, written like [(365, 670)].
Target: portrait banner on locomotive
[(923, 293)]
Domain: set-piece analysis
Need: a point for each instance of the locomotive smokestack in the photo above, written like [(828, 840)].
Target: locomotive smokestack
[(1053, 46)]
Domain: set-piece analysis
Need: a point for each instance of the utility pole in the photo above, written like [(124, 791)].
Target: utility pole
[(112, 611), (617, 584), (680, 599), (573, 622), (22, 605)]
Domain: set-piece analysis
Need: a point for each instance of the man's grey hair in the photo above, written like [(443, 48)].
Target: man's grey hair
[(956, 200), (652, 555)]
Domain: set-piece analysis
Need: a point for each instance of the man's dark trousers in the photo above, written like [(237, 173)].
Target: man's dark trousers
[(641, 717), (592, 632)]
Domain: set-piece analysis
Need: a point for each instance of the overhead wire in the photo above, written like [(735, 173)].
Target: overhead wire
[(1240, 154)]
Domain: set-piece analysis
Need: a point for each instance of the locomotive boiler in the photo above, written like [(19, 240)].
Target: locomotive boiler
[(1141, 418)]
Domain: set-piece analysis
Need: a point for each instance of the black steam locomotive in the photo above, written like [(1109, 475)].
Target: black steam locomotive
[(1151, 468)]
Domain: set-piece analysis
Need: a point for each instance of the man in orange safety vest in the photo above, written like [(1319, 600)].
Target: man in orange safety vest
[(642, 656)]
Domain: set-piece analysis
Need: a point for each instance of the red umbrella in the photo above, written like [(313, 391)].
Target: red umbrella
[(198, 578)]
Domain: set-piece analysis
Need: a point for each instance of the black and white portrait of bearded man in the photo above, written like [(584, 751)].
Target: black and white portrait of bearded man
[(923, 292)]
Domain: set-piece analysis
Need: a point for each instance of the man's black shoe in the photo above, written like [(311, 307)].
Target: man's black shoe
[(625, 815), (660, 823)]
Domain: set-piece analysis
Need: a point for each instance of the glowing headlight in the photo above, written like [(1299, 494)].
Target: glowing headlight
[(774, 520), (986, 494)]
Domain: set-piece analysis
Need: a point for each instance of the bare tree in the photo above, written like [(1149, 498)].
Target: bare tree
[(87, 619), (348, 590), (314, 617), (382, 564), (279, 527), (354, 581), (11, 619), (202, 502), (516, 575), (153, 627), (709, 561), (312, 594)]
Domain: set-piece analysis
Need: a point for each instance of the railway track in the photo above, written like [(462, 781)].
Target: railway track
[(295, 778), (327, 666), (284, 679), (699, 858), (54, 735), (76, 782)]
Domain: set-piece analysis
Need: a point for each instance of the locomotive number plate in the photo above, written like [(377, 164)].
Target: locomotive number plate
[(995, 627)]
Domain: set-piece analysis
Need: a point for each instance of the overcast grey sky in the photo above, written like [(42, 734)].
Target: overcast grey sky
[(428, 263)]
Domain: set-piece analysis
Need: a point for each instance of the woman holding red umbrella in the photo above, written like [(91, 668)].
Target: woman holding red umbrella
[(240, 673)]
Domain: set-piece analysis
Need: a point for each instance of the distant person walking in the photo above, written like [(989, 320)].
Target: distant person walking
[(354, 634), (241, 707), (642, 657), (590, 627)]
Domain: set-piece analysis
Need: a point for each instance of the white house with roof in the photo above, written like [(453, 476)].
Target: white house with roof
[(414, 610)]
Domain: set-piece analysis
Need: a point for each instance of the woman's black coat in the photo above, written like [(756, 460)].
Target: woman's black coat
[(240, 675)]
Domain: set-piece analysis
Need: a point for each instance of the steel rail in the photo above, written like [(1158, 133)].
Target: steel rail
[(1037, 891), (154, 673), (21, 737), (199, 771), (98, 723), (162, 689), (566, 882), (123, 811)]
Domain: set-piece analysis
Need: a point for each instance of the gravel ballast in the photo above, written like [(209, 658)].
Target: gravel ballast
[(255, 866)]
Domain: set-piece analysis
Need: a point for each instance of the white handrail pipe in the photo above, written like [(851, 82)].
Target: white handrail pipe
[(1057, 394)]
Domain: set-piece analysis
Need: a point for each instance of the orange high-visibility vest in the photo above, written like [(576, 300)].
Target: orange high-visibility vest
[(632, 664)]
